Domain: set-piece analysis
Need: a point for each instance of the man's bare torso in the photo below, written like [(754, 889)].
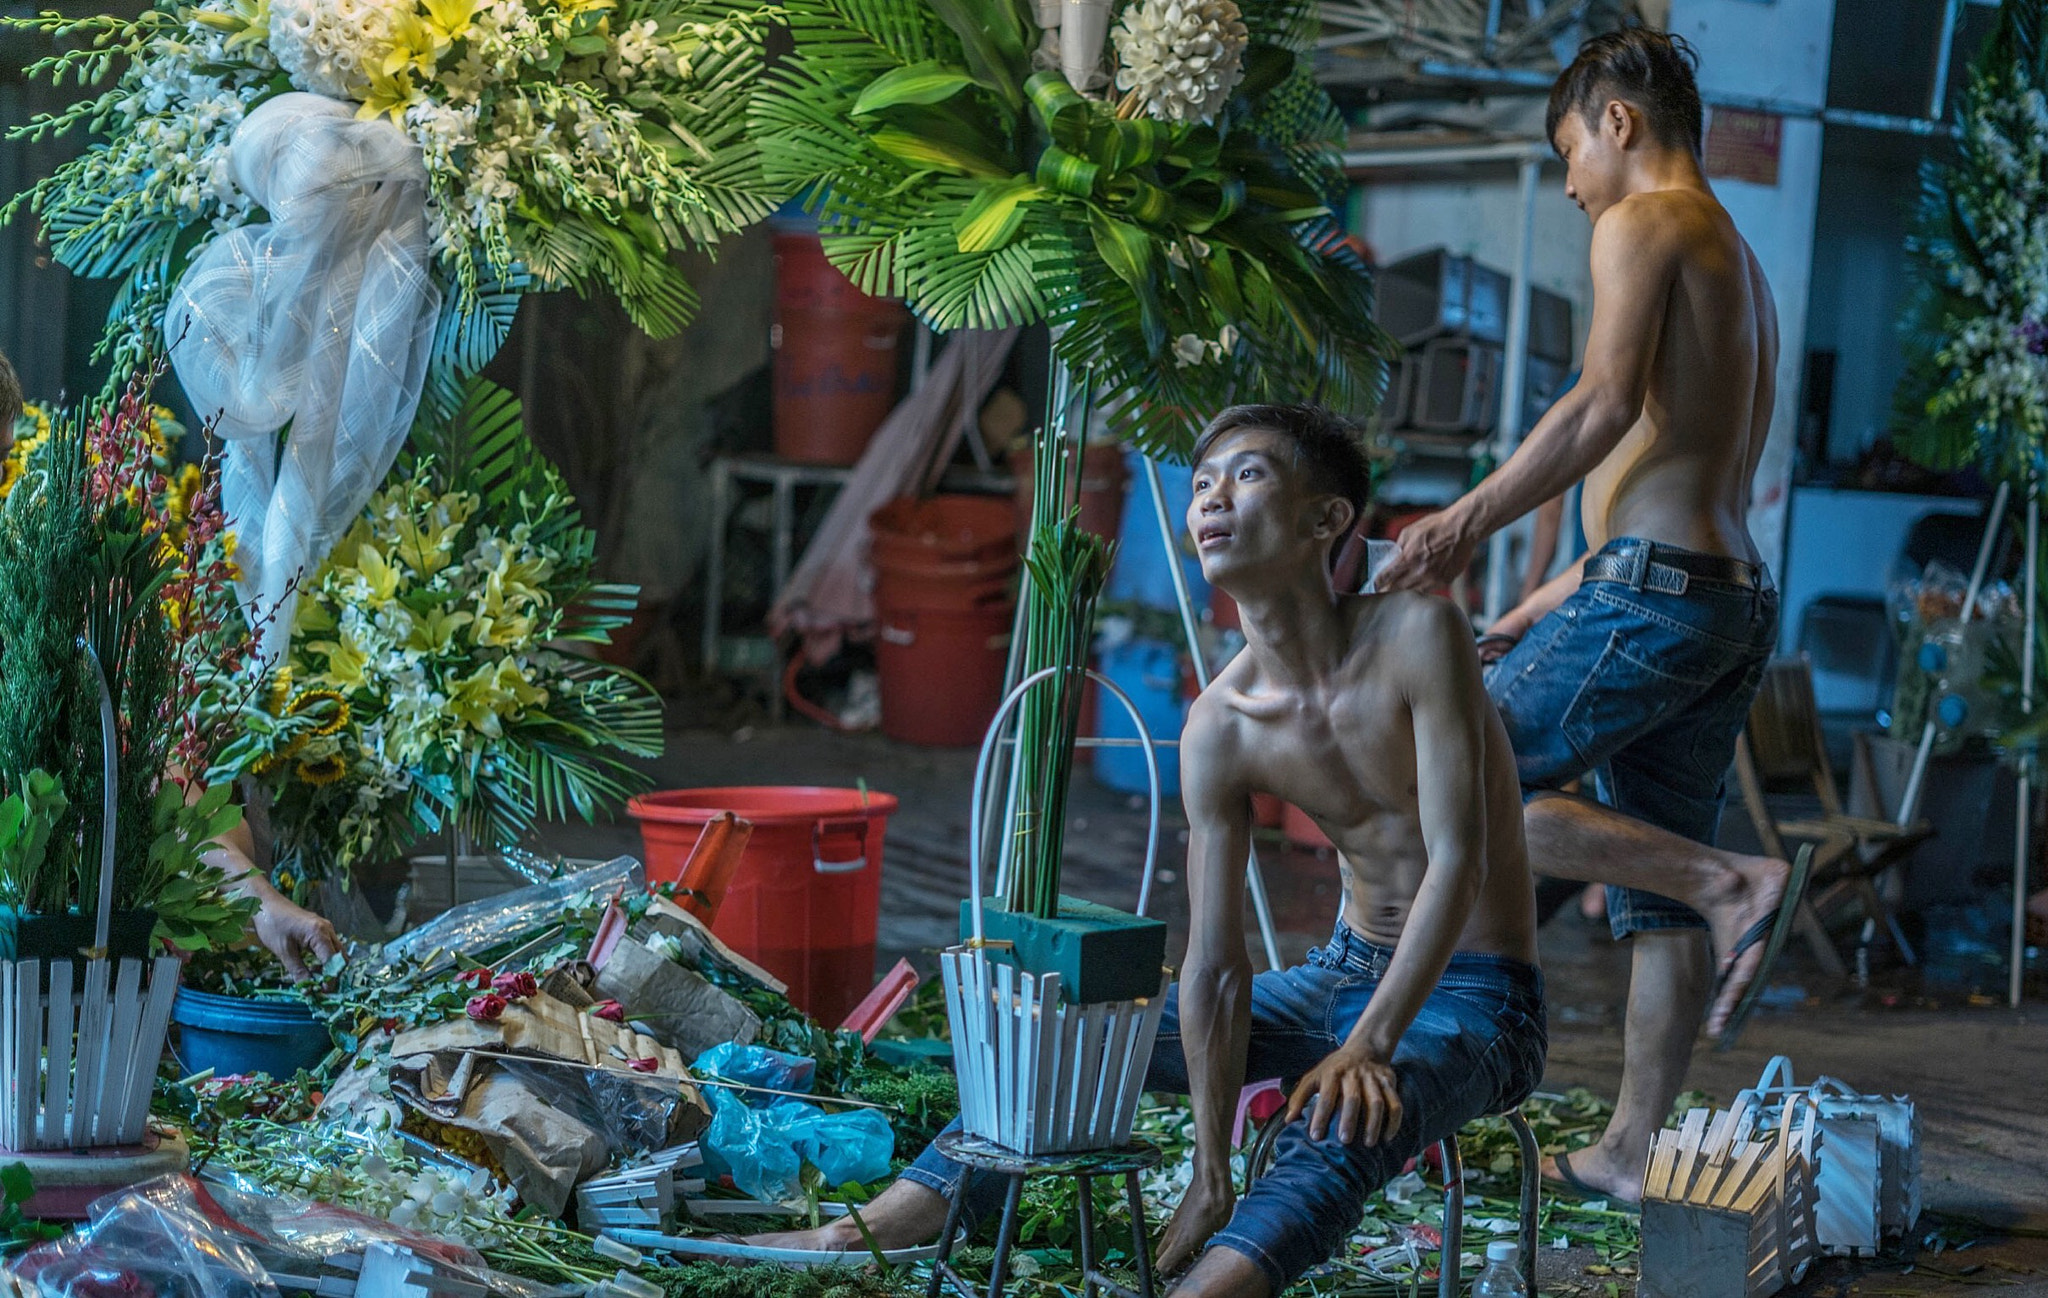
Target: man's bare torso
[(1348, 759), (1682, 474)]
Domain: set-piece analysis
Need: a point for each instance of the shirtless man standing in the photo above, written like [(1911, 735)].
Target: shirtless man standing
[(1639, 664), (1425, 1009)]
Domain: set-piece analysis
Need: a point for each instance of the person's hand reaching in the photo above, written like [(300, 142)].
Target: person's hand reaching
[(299, 939)]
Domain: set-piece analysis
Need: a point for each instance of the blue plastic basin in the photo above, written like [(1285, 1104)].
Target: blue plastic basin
[(242, 1034)]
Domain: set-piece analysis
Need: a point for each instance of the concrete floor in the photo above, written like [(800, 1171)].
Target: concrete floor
[(1979, 1074)]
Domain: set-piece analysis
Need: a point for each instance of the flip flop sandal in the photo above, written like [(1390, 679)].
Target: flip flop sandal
[(1777, 928), (1571, 1181)]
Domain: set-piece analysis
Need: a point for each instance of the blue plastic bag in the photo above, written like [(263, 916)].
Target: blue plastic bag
[(763, 1141)]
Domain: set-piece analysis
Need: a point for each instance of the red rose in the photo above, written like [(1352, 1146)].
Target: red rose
[(644, 1065), (516, 986), (478, 977), (486, 1008), (609, 1010)]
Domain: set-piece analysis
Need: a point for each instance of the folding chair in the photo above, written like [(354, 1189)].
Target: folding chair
[(1782, 748)]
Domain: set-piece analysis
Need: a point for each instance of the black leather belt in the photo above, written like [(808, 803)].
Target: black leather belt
[(1663, 568)]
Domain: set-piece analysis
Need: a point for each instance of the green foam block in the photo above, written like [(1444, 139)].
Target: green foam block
[(1099, 952)]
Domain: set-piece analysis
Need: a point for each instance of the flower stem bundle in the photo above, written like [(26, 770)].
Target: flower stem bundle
[(1067, 568)]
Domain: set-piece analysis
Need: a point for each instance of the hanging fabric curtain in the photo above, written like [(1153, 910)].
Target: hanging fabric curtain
[(831, 593)]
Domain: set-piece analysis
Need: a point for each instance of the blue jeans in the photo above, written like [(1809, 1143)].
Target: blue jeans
[(1647, 690), (1476, 1047)]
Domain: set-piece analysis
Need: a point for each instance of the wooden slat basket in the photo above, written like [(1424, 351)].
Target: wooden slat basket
[(77, 1063), (1037, 1074)]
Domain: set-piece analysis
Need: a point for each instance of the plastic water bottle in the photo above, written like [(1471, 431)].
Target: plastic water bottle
[(1502, 1277)]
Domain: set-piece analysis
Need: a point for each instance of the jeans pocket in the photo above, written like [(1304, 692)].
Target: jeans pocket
[(1629, 692)]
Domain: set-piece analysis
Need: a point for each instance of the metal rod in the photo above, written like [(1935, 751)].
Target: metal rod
[(110, 774), (1937, 99), (1452, 1260), (1255, 879), (2023, 810), (1514, 381), (1456, 155), (1492, 26), (719, 1082), (1909, 801)]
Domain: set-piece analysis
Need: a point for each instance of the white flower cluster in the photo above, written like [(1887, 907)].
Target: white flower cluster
[(331, 47), (1193, 349), (1182, 58), (2005, 382), (467, 1207)]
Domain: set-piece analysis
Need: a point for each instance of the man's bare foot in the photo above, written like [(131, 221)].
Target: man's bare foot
[(905, 1215), (1749, 890), (837, 1236), (1600, 1170)]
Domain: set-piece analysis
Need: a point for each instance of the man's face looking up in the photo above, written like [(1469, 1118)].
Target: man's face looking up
[(1251, 506)]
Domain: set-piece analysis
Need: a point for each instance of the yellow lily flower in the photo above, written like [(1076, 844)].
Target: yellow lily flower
[(449, 21), (433, 632), (381, 577), (389, 95)]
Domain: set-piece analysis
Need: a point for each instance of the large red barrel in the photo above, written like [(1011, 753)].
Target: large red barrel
[(835, 356), (944, 599)]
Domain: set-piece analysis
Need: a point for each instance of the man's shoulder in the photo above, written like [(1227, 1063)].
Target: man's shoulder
[(1413, 629), (1672, 220)]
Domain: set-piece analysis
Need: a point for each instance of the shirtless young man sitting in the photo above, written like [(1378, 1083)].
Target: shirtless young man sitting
[(1640, 663), (1425, 1010)]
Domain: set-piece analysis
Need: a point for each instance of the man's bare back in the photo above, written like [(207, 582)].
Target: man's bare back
[(1346, 755), (1682, 473)]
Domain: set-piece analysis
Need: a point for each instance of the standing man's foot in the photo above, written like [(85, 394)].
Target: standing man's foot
[(905, 1215), (1748, 894), (1597, 1171)]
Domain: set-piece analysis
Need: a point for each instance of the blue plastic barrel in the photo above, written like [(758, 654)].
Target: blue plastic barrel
[(242, 1034), (1140, 574), (1148, 671)]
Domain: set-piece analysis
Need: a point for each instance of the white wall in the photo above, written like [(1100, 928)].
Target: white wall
[(1777, 50)]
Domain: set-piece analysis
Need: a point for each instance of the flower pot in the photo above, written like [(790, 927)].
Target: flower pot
[(275, 1035), (1100, 953), (82, 1055)]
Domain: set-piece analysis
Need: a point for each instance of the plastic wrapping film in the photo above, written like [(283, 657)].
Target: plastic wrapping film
[(493, 921), (176, 1238), (764, 1144)]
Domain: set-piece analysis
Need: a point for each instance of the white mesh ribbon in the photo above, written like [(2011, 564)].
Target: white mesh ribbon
[(322, 319)]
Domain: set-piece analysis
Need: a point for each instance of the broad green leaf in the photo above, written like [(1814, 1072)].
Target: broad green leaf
[(16, 1184), (995, 216), (1124, 248), (922, 83), (920, 151)]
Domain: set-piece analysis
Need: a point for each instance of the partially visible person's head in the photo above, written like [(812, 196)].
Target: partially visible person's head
[(10, 403), (1271, 481), (1628, 91)]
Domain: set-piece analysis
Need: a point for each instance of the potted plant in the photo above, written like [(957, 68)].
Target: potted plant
[(115, 616)]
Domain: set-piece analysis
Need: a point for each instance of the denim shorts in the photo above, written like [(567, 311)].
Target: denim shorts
[(1475, 1048), (1646, 690)]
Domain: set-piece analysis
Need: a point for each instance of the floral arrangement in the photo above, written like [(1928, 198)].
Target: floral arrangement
[(98, 548), (1178, 236), (423, 679), (1976, 386), (566, 143)]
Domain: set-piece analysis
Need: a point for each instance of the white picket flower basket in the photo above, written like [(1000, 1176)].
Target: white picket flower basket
[(1038, 1075), (79, 1050), (79, 1061)]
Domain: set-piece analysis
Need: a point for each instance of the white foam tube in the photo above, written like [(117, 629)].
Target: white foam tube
[(1084, 30), (2023, 809), (1909, 801)]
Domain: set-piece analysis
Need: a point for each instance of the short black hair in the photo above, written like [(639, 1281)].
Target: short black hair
[(10, 397), (1650, 69), (1326, 446)]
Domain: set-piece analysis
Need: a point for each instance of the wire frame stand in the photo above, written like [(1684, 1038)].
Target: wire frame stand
[(2023, 817), (1067, 412)]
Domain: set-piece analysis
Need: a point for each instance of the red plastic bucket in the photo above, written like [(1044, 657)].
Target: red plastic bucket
[(804, 900), (944, 571), (835, 356), (941, 670)]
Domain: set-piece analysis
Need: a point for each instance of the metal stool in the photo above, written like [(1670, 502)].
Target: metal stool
[(1448, 1278), (1084, 1168)]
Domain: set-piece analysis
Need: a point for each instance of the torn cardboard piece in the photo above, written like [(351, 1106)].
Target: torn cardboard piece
[(674, 1004), (549, 1091)]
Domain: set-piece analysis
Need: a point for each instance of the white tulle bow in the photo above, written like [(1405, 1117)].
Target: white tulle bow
[(322, 319)]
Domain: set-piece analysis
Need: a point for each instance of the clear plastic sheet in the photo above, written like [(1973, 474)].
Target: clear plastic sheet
[(176, 1238), (492, 921), (763, 1141), (636, 1114)]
